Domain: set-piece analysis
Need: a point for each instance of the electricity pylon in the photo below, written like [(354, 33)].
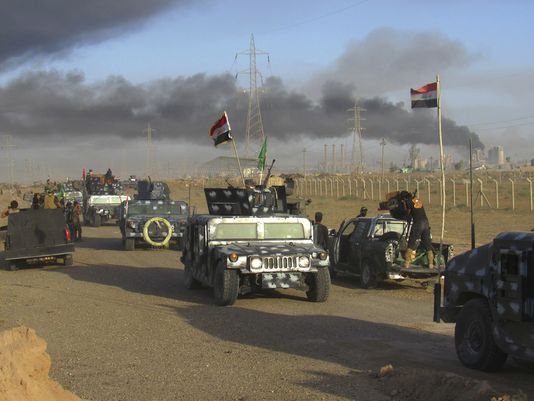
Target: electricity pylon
[(6, 146), (357, 131), (149, 156), (254, 132)]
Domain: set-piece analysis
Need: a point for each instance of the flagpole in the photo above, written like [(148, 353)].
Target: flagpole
[(437, 287), (238, 162)]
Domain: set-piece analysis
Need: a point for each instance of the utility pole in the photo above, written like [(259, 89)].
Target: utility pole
[(383, 144), (333, 158), (304, 160), (254, 130), (148, 167), (342, 151), (357, 131), (325, 168), (6, 146)]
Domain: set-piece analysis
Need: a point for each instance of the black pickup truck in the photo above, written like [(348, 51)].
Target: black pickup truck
[(372, 248), (36, 237)]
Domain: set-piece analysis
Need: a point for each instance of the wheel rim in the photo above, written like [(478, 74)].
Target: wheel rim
[(474, 337)]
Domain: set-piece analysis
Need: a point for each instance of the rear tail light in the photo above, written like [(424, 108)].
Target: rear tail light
[(67, 234)]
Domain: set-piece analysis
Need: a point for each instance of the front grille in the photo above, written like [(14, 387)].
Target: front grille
[(280, 262)]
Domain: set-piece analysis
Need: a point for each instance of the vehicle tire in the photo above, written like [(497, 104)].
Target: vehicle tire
[(129, 244), (319, 285), (473, 337), (68, 260), (190, 282), (367, 276), (97, 220), (226, 285)]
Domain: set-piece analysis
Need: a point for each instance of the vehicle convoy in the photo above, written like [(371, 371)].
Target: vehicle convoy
[(154, 222), (489, 294), (102, 199), (36, 238), (372, 248), (244, 245)]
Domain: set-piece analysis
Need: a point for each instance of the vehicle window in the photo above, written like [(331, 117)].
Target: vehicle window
[(385, 226), (156, 209), (283, 230), (361, 230), (349, 229), (225, 231)]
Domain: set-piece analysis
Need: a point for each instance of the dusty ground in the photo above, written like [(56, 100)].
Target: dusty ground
[(120, 326)]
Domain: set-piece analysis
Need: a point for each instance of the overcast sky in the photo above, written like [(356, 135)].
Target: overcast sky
[(80, 81)]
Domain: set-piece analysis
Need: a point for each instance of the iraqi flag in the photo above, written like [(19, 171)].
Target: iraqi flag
[(426, 96), (220, 131)]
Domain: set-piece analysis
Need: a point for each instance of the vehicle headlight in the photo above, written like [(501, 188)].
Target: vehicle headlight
[(233, 257), (304, 261), (256, 262)]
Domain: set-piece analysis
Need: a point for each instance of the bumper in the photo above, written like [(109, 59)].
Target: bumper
[(32, 253), (140, 235), (282, 280)]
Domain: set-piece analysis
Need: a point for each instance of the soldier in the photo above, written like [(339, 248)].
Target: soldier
[(363, 212), (12, 208), (420, 229), (76, 221), (320, 232)]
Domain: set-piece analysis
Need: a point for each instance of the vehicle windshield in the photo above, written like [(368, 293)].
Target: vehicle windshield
[(107, 199), (386, 226), (283, 231), (156, 208), (226, 231), (249, 231)]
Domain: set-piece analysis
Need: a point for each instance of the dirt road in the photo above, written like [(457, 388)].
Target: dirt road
[(120, 326)]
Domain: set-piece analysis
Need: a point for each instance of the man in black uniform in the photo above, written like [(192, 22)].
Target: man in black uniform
[(420, 229), (363, 212), (320, 232)]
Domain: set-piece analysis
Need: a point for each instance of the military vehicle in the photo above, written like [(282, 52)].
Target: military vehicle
[(102, 199), (489, 294), (36, 238), (249, 242), (372, 248), (154, 222)]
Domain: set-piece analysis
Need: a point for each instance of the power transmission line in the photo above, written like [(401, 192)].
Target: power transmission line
[(314, 19)]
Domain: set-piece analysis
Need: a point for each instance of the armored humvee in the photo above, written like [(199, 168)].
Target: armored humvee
[(103, 196), (489, 294), (36, 238), (155, 222), (153, 218), (244, 245)]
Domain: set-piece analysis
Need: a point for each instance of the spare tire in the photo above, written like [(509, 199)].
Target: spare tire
[(158, 221)]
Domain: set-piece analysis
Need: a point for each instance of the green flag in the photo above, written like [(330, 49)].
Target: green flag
[(262, 155)]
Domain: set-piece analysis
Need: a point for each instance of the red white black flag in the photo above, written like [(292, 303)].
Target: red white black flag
[(220, 131), (426, 96)]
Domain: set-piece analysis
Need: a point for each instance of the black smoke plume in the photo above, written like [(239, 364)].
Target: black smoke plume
[(45, 104)]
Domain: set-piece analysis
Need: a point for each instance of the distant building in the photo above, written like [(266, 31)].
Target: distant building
[(496, 155), (478, 155)]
